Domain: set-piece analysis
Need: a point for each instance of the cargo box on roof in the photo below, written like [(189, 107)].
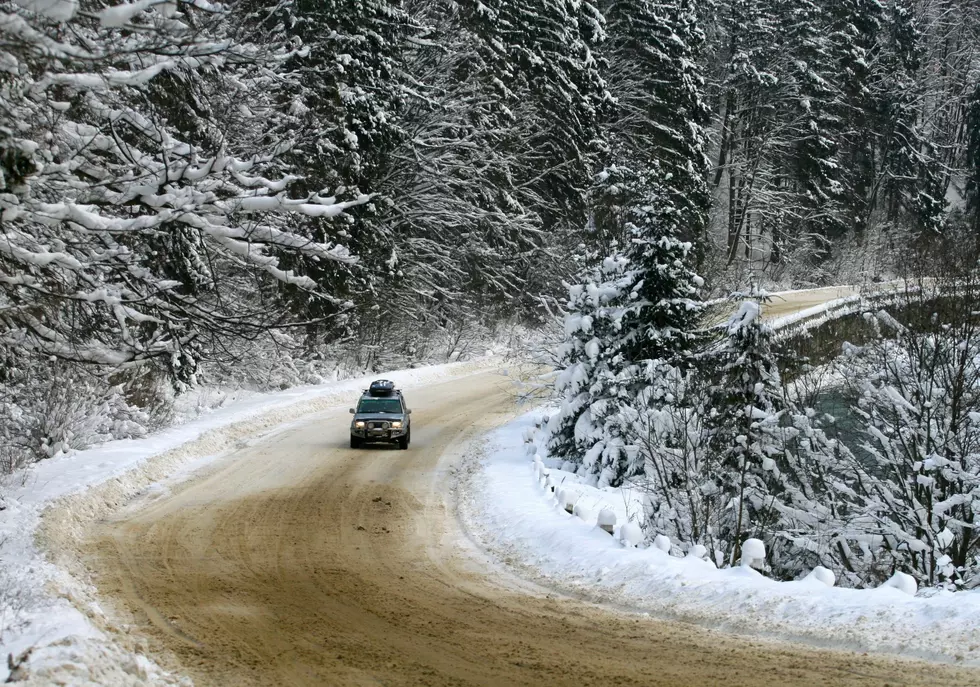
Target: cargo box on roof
[(381, 387)]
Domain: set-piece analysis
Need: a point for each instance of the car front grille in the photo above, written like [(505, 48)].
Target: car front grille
[(379, 425)]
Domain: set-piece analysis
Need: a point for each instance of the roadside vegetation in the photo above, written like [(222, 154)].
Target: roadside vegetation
[(865, 461)]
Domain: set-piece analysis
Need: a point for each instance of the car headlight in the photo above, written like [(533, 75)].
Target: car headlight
[(396, 424), (359, 424)]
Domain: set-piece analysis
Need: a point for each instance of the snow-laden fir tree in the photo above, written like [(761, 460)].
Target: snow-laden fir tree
[(592, 326), (748, 403), (542, 62), (142, 233), (651, 194), (340, 102), (658, 127), (661, 193), (123, 243), (468, 235), (815, 170)]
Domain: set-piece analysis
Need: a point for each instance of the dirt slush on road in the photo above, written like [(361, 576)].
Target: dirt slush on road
[(298, 561)]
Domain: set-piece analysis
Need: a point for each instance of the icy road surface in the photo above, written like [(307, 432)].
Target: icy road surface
[(298, 561)]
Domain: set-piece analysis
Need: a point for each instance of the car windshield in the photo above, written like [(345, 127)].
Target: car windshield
[(380, 405)]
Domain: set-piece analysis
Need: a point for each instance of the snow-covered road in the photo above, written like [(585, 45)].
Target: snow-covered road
[(293, 559), (300, 561)]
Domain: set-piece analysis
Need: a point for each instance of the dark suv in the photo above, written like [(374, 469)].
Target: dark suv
[(381, 415)]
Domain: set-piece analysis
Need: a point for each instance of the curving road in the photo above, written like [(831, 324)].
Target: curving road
[(298, 561), (794, 301)]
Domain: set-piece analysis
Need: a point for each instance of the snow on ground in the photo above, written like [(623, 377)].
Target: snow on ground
[(54, 500), (505, 505)]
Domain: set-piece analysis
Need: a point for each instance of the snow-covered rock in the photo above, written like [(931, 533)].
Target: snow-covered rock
[(662, 542), (697, 551), (567, 499), (606, 518)]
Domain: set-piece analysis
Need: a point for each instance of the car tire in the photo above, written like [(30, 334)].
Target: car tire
[(403, 442), (355, 442)]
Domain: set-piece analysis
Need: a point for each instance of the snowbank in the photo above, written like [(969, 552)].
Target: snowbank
[(511, 515), (48, 506)]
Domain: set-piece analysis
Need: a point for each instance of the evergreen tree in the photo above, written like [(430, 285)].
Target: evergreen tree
[(659, 194), (748, 403), (662, 188), (468, 233), (659, 124), (540, 58), (341, 104), (584, 359), (973, 162), (164, 249), (813, 155)]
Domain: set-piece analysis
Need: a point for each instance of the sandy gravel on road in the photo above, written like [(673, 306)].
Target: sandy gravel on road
[(302, 562)]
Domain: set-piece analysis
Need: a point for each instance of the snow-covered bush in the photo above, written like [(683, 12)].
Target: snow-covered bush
[(52, 407), (918, 465), (672, 436)]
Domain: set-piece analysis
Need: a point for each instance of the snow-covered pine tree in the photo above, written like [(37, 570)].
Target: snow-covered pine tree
[(814, 212), (748, 403), (910, 169), (340, 102), (540, 57), (658, 126), (886, 162), (973, 161), (663, 191), (591, 329), (467, 230), (662, 195), (749, 76)]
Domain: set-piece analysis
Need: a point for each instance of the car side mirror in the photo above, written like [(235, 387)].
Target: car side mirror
[(352, 412), (409, 412)]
